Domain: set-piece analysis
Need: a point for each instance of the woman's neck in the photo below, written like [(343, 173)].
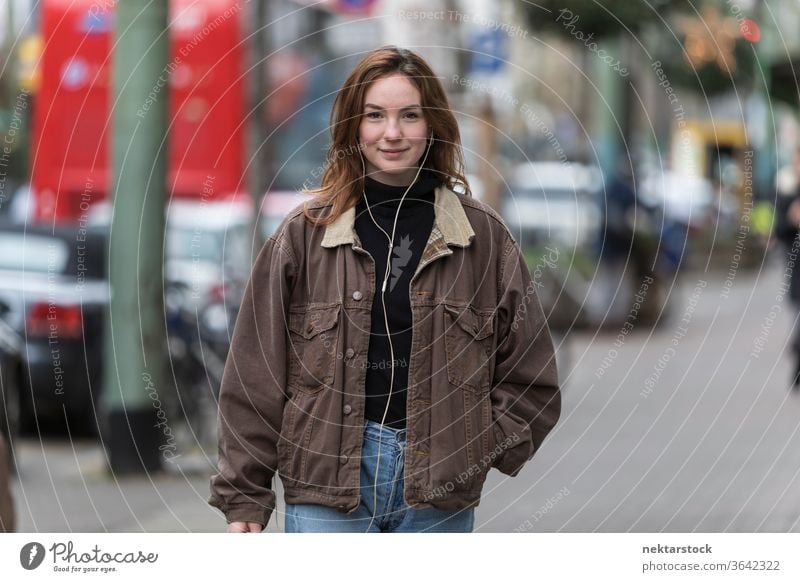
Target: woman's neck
[(395, 180), (388, 195)]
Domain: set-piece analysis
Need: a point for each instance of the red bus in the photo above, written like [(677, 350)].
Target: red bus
[(72, 130)]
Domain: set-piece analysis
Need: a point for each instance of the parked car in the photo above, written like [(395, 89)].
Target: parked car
[(54, 291), (207, 246), (555, 203)]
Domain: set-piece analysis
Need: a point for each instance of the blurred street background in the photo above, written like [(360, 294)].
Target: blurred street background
[(646, 155)]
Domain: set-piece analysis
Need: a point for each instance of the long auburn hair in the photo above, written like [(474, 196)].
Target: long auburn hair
[(343, 180)]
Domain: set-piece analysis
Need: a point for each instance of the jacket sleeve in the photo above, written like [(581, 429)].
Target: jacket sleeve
[(252, 394), (526, 402)]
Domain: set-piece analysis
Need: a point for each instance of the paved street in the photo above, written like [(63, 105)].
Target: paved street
[(706, 440)]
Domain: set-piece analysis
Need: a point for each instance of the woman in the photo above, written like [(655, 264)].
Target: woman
[(390, 348)]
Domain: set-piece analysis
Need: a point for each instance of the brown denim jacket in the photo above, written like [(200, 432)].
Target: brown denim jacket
[(482, 382)]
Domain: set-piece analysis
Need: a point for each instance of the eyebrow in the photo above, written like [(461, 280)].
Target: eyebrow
[(373, 106)]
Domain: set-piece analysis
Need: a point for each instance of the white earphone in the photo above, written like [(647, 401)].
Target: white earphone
[(383, 302)]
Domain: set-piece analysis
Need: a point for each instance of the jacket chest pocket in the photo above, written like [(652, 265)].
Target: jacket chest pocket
[(313, 345), (468, 341)]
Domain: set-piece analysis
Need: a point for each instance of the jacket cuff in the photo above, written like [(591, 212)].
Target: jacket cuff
[(512, 454), (253, 512)]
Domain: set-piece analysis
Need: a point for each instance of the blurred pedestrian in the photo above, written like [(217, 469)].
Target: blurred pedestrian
[(628, 246), (6, 501), (787, 230), (390, 348)]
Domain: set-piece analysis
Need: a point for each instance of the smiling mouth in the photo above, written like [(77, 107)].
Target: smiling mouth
[(392, 151)]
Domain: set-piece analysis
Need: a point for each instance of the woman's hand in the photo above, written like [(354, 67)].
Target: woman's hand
[(244, 527)]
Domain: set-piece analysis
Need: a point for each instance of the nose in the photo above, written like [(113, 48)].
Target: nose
[(392, 131)]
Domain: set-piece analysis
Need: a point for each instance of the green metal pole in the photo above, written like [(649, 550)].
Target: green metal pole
[(608, 112), (135, 362), (766, 160)]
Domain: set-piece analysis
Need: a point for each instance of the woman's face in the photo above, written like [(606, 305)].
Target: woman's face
[(393, 131)]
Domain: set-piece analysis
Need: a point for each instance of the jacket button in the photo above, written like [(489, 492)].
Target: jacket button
[(343, 459), (347, 409), (349, 353), (357, 295)]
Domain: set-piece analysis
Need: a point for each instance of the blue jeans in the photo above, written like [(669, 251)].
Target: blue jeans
[(392, 514)]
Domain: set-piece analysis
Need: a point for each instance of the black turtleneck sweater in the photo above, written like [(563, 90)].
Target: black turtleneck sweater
[(413, 230)]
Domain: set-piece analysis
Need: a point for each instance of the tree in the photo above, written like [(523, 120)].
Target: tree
[(602, 19)]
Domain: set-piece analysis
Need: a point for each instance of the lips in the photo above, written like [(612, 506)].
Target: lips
[(392, 151)]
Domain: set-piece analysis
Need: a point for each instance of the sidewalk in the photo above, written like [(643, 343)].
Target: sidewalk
[(65, 486)]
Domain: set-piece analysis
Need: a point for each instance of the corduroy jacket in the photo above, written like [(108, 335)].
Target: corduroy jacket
[(482, 381)]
